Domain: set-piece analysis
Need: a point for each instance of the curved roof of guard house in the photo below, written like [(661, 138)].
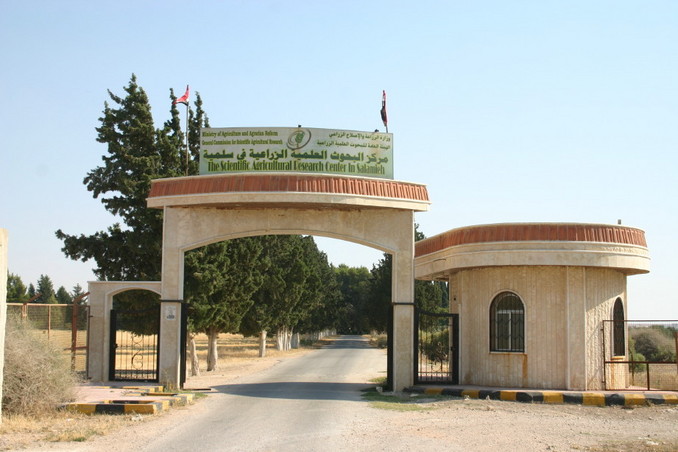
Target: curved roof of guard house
[(565, 244)]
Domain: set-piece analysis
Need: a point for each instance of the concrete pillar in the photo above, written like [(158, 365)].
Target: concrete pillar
[(172, 294), (170, 344), (403, 300), (3, 304), (99, 332)]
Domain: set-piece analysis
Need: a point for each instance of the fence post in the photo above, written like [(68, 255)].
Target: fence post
[(49, 320), (74, 332)]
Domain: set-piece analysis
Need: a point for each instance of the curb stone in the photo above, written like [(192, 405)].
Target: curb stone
[(134, 400), (591, 398)]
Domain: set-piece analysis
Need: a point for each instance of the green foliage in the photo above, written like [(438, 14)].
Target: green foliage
[(16, 290), (436, 347), (138, 311), (63, 297), (37, 377), (297, 289), (321, 301), (379, 305), (220, 280), (432, 296), (137, 153), (46, 289), (655, 343), (354, 285)]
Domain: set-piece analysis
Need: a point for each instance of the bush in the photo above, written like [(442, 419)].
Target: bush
[(37, 376), (653, 343), (435, 346)]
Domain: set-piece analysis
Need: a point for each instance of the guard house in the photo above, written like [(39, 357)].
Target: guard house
[(532, 298)]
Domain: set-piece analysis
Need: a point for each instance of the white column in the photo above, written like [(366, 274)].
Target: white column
[(3, 303)]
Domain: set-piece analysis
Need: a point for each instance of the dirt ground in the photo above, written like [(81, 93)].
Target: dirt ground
[(424, 423)]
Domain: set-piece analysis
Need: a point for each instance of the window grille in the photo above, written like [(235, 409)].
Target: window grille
[(507, 323), (618, 332)]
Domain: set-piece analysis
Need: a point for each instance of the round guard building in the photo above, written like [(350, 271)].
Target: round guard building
[(532, 301)]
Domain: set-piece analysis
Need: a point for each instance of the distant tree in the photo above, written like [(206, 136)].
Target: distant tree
[(427, 295), (654, 343), (379, 304), (78, 293), (320, 306), (16, 289), (289, 291), (63, 297), (221, 279), (353, 283), (431, 296), (46, 289), (31, 290)]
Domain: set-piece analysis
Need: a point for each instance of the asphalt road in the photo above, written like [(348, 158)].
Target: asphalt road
[(307, 403)]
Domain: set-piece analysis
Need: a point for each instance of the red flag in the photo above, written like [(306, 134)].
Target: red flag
[(183, 99), (384, 118)]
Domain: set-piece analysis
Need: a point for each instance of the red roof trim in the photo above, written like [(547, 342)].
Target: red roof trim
[(550, 232), (296, 183)]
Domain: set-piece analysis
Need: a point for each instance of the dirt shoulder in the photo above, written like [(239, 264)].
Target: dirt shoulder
[(402, 423)]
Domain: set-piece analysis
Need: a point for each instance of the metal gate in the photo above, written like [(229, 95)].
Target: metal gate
[(134, 345), (437, 354)]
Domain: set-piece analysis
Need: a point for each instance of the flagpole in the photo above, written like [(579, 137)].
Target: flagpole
[(187, 138), (384, 116)]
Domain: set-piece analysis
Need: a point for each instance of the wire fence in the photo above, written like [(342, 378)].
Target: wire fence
[(647, 358), (63, 325)]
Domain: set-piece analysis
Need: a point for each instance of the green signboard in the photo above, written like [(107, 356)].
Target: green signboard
[(296, 149)]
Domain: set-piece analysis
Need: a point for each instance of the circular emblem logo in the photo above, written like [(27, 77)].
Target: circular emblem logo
[(298, 139)]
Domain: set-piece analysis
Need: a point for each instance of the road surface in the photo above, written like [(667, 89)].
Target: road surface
[(305, 403)]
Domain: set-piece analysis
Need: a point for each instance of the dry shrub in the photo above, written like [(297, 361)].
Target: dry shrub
[(37, 376)]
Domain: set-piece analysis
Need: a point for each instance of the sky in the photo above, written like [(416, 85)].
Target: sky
[(520, 111)]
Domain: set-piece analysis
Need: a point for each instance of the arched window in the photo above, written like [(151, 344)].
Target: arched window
[(619, 330), (507, 323)]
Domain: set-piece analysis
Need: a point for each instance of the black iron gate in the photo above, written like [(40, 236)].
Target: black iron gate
[(134, 345), (437, 355)]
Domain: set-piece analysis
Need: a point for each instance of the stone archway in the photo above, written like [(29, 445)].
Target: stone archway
[(200, 210), (101, 295)]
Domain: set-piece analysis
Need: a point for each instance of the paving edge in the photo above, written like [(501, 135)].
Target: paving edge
[(121, 407), (556, 397)]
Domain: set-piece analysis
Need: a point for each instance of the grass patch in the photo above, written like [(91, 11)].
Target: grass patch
[(636, 446), (379, 381), (400, 401), (21, 431), (378, 340)]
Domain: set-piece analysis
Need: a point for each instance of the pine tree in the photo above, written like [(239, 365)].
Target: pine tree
[(31, 291), (63, 297), (46, 289), (220, 280), (137, 153), (16, 289)]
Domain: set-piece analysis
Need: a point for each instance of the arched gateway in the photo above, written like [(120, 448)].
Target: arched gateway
[(200, 210)]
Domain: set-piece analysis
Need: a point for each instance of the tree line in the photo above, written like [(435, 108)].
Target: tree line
[(42, 292), (253, 285)]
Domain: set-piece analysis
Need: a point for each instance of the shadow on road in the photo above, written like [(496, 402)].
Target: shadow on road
[(297, 390), (346, 342)]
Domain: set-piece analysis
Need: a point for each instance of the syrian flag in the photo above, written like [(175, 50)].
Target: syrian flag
[(384, 118), (183, 99)]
